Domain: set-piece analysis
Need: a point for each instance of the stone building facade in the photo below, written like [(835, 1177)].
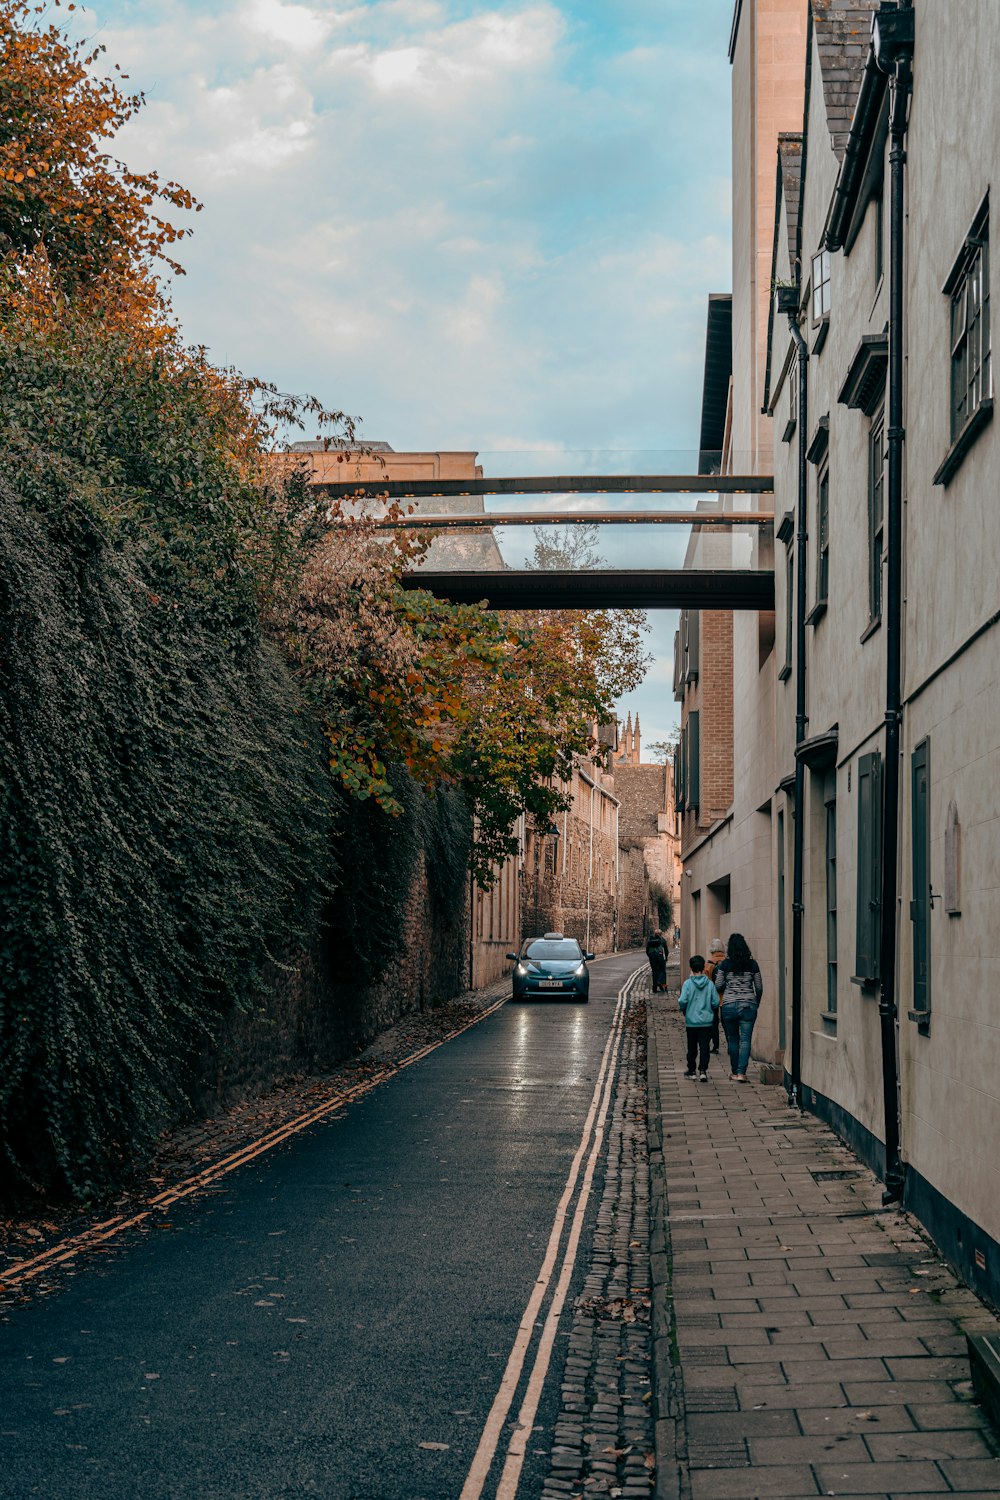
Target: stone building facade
[(590, 873), (647, 818), (570, 871), (946, 1068), (728, 707), (820, 134)]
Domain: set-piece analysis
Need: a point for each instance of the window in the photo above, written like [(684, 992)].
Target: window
[(691, 626), (693, 762), (971, 367), (876, 514), (820, 287), (869, 925), (831, 902), (786, 667), (823, 535), (921, 876)]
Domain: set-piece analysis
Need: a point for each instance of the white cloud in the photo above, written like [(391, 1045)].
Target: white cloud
[(296, 26), (447, 61), (473, 224)]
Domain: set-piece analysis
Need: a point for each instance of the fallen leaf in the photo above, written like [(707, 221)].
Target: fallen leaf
[(151, 1375), (434, 1447), (60, 1359), (263, 1303), (650, 1461)]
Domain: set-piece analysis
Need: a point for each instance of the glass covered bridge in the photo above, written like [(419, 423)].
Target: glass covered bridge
[(584, 539)]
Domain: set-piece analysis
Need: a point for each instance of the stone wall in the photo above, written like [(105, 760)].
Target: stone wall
[(315, 1014)]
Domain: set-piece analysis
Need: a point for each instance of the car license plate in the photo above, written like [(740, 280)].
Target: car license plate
[(550, 984)]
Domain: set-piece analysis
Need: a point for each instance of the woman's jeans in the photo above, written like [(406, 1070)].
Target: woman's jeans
[(738, 1022)]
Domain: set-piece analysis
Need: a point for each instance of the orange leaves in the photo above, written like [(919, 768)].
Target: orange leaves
[(66, 197)]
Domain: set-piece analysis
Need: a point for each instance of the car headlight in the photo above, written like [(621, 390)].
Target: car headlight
[(579, 972), (521, 972)]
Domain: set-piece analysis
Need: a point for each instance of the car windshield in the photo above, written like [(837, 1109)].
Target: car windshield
[(564, 950)]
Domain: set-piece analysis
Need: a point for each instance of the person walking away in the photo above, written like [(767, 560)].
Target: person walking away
[(698, 1001), (740, 987), (716, 953), (656, 952)]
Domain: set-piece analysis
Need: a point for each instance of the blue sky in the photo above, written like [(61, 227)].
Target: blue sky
[(489, 226)]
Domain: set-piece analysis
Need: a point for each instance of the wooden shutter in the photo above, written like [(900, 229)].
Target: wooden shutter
[(920, 906), (869, 926), (693, 652), (679, 664), (693, 788), (679, 799)]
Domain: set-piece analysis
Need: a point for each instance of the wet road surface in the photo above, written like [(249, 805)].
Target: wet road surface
[(338, 1318)]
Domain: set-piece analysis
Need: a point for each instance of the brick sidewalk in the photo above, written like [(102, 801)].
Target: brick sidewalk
[(808, 1342)]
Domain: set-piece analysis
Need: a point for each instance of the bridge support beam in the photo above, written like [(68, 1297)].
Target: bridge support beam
[(681, 588)]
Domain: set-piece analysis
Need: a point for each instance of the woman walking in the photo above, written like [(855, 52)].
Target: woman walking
[(740, 987)]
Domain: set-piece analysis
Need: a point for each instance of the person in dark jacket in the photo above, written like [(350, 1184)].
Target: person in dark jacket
[(656, 952), (740, 987)]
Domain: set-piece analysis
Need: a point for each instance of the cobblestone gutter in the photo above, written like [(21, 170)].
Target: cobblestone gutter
[(603, 1441), (668, 1381)]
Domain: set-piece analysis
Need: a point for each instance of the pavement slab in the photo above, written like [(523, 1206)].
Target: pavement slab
[(808, 1340)]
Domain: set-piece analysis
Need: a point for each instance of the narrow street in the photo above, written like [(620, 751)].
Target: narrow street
[(361, 1314)]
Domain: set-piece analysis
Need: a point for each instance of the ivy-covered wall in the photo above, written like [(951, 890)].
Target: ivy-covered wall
[(392, 940), (171, 838)]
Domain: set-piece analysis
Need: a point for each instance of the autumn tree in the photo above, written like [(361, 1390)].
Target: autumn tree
[(72, 214), (210, 678)]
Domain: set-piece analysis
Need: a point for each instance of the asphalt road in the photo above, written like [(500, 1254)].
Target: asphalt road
[(304, 1328)]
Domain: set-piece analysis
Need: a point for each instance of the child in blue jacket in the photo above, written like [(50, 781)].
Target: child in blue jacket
[(699, 1000)]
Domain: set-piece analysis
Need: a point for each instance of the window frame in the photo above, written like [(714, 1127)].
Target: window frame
[(920, 881), (970, 381), (786, 667), (868, 931), (830, 893), (693, 762), (820, 296), (823, 533), (877, 476)]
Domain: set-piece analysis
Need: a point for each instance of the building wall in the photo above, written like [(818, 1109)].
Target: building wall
[(648, 822), (950, 1067), (569, 879), (729, 880), (495, 925)]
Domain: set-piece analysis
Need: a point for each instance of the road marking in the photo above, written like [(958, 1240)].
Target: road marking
[(517, 1446), (99, 1234), (504, 1399)]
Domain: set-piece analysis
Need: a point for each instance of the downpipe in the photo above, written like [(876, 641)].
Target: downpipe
[(900, 88), (801, 718)]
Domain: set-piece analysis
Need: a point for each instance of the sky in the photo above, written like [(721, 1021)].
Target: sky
[(472, 225)]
